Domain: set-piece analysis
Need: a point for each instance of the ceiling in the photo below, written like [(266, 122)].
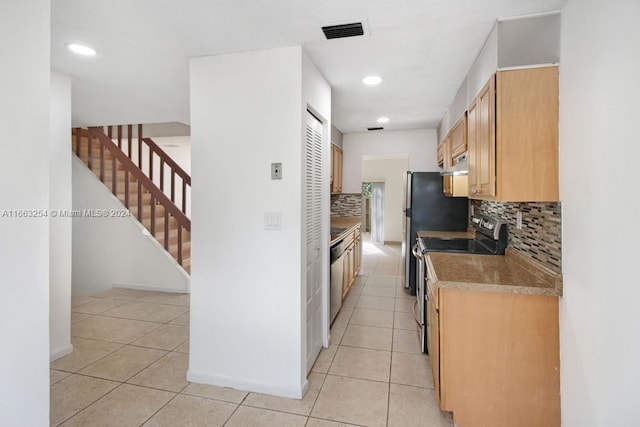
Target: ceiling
[(421, 48)]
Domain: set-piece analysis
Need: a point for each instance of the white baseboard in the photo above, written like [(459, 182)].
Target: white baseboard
[(143, 287), (60, 352), (291, 392)]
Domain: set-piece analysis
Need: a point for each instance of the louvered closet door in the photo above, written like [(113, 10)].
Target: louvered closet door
[(313, 217)]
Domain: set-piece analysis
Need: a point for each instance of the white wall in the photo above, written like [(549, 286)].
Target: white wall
[(419, 145), (391, 171), (529, 40), (60, 228), (24, 246), (115, 252), (246, 311), (483, 67), (599, 151), (457, 108), (178, 148)]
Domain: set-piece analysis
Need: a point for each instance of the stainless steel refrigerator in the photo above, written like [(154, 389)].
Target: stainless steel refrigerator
[(426, 208)]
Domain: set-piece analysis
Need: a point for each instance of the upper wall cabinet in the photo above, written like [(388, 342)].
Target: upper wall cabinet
[(459, 138), (336, 169), (513, 137), (444, 153), (450, 150)]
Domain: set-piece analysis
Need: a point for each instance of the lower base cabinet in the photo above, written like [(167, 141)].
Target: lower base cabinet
[(352, 259), (495, 357)]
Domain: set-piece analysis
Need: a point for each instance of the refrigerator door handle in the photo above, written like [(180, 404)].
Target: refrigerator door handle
[(416, 252)]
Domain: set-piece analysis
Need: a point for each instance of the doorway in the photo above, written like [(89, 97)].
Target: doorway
[(373, 210)]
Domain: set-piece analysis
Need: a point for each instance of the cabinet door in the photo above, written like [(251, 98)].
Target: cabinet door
[(486, 142), (472, 139), (455, 186), (433, 337), (346, 275), (336, 169), (339, 171), (349, 271), (444, 152), (358, 252), (447, 152), (333, 162), (447, 185), (527, 134), (352, 264), (459, 138)]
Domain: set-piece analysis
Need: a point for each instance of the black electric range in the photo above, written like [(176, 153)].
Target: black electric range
[(490, 239)]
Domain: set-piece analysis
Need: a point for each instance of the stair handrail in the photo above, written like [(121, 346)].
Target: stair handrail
[(175, 170), (164, 158), (143, 181)]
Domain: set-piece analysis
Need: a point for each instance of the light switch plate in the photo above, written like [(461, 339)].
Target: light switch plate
[(276, 170), (273, 220)]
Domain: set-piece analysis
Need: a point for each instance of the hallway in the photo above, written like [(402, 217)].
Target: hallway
[(131, 349)]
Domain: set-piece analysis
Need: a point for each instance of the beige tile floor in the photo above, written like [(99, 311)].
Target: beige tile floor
[(131, 349)]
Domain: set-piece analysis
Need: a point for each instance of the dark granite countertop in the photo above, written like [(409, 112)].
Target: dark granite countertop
[(511, 273)]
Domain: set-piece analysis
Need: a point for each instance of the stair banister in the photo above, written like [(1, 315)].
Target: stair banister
[(144, 183)]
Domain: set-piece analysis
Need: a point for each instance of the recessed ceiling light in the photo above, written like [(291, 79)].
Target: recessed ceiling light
[(383, 120), (372, 80), (81, 49)]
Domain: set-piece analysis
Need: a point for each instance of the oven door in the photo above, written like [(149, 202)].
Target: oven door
[(431, 304), (421, 276)]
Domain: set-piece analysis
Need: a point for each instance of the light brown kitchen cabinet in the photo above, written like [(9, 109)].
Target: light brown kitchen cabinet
[(352, 259), (357, 252), (444, 153), (495, 357), (348, 274), (482, 158), (512, 136), (472, 149), (349, 269), (336, 169), (455, 185), (458, 142), (452, 148)]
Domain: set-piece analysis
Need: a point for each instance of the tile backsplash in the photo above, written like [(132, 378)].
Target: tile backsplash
[(541, 233), (346, 204)]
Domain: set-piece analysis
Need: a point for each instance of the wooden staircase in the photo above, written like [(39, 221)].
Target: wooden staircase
[(156, 211)]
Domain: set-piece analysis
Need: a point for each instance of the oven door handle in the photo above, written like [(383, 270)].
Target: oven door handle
[(416, 253)]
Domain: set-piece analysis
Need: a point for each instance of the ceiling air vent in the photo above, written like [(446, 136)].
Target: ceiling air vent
[(343, 30), (376, 128)]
